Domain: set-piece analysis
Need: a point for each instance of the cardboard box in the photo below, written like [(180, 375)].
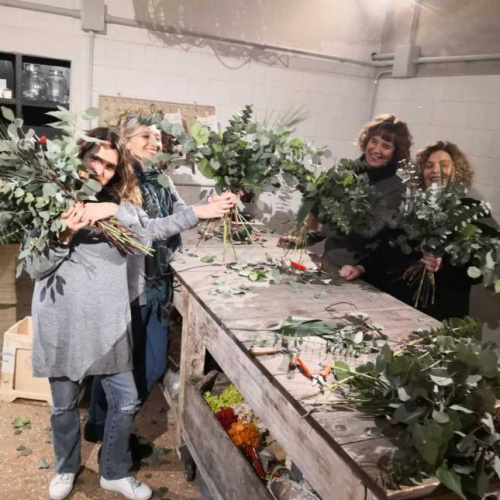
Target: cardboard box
[(16, 379)]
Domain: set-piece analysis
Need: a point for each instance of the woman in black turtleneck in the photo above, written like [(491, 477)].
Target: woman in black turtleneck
[(384, 268), (385, 141)]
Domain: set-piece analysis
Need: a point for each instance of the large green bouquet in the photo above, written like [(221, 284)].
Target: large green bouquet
[(248, 156), (39, 181), (440, 220), (443, 390), (342, 198)]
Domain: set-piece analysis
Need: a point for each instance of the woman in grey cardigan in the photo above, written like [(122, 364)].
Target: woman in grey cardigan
[(81, 321)]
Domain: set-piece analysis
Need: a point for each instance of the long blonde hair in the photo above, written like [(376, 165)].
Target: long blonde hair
[(124, 183)]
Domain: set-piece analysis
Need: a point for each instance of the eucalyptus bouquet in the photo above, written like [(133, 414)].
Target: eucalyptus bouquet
[(39, 180), (440, 220), (247, 156), (443, 390), (342, 197)]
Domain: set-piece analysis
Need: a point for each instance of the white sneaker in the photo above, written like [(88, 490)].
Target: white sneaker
[(61, 485), (129, 487)]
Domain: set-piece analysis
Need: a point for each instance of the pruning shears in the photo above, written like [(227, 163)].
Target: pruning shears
[(317, 378)]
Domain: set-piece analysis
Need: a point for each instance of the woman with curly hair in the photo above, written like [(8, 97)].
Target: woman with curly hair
[(438, 163), (384, 142)]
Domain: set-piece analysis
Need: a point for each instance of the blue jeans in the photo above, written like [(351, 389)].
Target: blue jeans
[(150, 360), (123, 404)]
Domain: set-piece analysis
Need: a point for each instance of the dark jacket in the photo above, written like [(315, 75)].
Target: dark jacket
[(386, 265), (341, 248)]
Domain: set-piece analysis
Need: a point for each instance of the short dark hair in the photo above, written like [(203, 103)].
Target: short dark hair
[(390, 129)]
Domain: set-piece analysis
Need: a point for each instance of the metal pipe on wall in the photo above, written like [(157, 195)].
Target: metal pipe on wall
[(122, 21), (36, 7), (379, 75), (449, 59)]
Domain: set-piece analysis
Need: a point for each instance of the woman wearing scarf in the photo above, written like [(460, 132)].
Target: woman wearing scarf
[(150, 278), (439, 162)]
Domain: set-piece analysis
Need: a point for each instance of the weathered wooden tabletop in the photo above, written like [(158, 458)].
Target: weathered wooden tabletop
[(333, 448)]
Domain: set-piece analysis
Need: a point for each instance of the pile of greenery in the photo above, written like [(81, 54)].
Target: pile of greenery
[(443, 389), (353, 335)]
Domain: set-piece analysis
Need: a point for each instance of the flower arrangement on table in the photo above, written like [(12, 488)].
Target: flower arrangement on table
[(443, 389), (40, 179), (240, 423), (440, 220)]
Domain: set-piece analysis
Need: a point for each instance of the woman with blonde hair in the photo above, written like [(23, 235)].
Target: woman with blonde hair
[(151, 278)]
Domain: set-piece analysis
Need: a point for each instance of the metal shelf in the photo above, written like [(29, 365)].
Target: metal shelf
[(8, 102), (42, 104)]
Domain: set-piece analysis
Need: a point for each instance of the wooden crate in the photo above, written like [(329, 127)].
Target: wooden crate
[(16, 379), (15, 293)]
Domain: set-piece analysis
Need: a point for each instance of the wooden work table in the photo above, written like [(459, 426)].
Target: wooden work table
[(337, 451)]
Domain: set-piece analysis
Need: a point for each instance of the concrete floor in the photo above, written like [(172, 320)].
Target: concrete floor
[(20, 477)]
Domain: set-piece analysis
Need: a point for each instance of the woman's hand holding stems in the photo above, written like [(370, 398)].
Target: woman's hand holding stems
[(82, 214)]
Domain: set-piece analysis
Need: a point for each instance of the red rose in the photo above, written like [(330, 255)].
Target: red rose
[(42, 140)]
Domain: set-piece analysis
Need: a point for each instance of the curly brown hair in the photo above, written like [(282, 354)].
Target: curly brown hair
[(124, 183), (390, 129), (462, 168)]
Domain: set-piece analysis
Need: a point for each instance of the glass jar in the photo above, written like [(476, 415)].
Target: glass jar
[(33, 83), (57, 88)]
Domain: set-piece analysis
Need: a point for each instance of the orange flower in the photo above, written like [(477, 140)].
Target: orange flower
[(244, 434)]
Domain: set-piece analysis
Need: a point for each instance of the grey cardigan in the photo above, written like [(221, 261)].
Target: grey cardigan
[(81, 308)]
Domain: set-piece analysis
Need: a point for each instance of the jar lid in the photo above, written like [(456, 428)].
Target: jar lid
[(55, 72), (32, 67)]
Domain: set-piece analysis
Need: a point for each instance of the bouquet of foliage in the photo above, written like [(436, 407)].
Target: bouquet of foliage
[(39, 181), (342, 197), (443, 389), (246, 156), (439, 220)]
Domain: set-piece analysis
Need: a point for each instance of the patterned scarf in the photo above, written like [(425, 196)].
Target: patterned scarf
[(158, 202)]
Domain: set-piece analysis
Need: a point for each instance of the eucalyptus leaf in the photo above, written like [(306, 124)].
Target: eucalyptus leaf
[(92, 186), (92, 112), (164, 181), (8, 114), (451, 480), (440, 417), (208, 259)]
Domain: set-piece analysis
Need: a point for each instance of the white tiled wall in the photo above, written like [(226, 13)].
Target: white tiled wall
[(336, 104)]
